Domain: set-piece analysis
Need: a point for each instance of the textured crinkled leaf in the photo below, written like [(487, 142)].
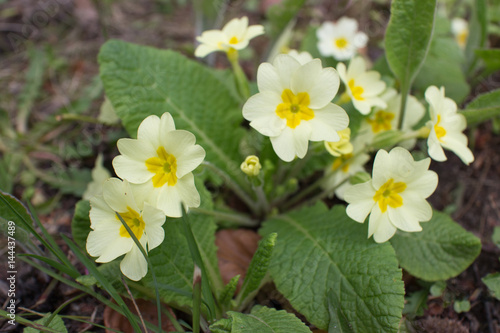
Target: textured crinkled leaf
[(141, 81), (408, 37), (492, 281), (482, 108), (443, 249), (338, 321), (258, 267), (443, 67), (80, 224), (318, 250), (266, 320)]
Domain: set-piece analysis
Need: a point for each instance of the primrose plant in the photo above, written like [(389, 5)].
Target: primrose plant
[(271, 153)]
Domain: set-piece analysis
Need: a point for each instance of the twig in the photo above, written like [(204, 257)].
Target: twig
[(135, 304)]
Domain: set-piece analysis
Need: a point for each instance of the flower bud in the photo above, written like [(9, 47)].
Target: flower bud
[(251, 166)]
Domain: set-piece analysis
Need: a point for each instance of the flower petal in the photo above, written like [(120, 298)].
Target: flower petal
[(134, 265)]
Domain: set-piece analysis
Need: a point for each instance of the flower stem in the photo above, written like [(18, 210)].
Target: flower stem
[(239, 75)]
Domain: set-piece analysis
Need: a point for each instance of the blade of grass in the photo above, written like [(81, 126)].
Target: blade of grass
[(103, 281), (54, 264), (80, 287), (195, 253), (57, 250), (150, 266)]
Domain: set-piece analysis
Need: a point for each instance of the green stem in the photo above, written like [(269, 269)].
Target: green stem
[(196, 299), (302, 194), (262, 199), (405, 90), (234, 187), (240, 219), (239, 75)]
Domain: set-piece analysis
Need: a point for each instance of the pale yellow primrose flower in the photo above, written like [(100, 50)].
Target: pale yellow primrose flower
[(109, 239), (363, 87), (446, 127), (293, 106), (395, 197), (235, 35), (341, 147), (162, 159), (302, 57), (385, 119), (251, 166), (343, 167), (460, 29), (342, 40)]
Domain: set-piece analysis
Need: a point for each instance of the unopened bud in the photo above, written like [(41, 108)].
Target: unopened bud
[(251, 166)]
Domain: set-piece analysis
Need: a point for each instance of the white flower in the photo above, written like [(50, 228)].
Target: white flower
[(362, 87), (385, 119), (340, 40), (460, 29), (395, 197), (162, 159), (303, 57), (109, 239), (343, 167), (446, 127), (293, 105), (251, 166), (235, 35), (99, 175)]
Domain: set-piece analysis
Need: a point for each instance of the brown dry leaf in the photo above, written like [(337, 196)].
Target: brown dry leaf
[(114, 320), (235, 251)]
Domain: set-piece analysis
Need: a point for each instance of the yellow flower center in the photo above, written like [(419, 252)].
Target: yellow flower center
[(342, 162), (462, 38), (164, 167), (341, 42), (440, 131), (356, 91), (134, 221), (233, 40), (381, 121), (387, 194), (294, 108)]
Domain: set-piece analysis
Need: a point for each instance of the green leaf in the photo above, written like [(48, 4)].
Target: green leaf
[(492, 281), (263, 320), (416, 303), (443, 67), (496, 236), (482, 108), (443, 249), (56, 324), (477, 33), (11, 209), (461, 306), (257, 269), (80, 224), (172, 259), (407, 38), (320, 250), (338, 320), (140, 81), (491, 58), (228, 292), (438, 288)]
